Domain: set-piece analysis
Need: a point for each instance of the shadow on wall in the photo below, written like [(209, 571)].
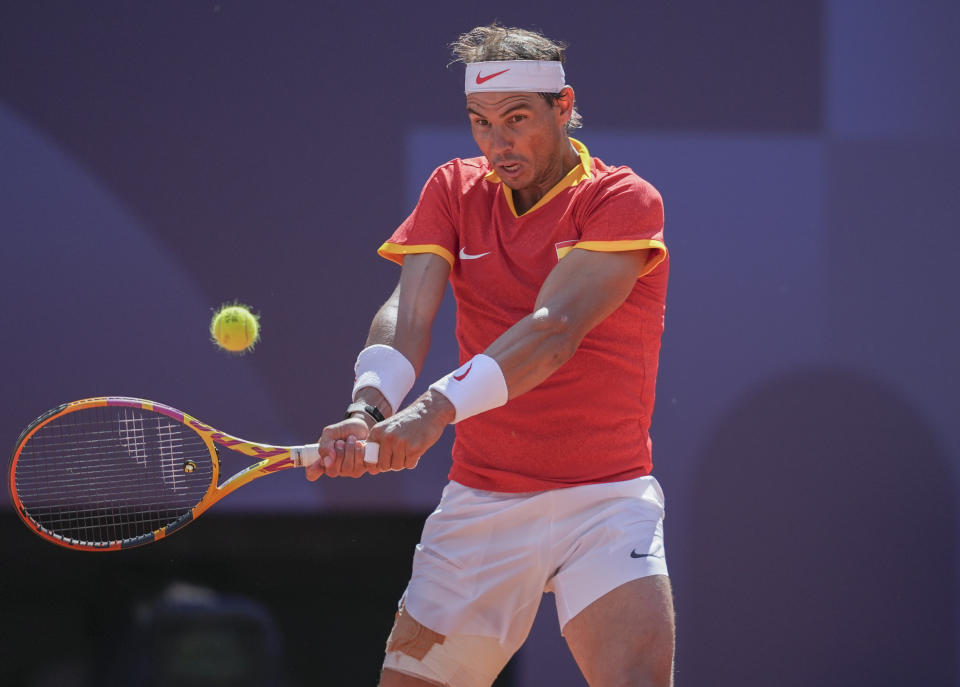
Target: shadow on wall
[(825, 542)]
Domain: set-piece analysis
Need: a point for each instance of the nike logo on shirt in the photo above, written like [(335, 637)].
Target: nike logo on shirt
[(466, 256)]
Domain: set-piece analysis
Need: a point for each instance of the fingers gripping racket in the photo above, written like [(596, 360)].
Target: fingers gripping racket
[(109, 473)]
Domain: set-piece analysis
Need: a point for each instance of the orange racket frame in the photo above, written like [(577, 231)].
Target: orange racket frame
[(270, 459)]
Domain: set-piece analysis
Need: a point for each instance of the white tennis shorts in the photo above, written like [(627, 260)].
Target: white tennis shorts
[(486, 558)]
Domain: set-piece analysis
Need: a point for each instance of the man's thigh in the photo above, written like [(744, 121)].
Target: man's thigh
[(626, 637)]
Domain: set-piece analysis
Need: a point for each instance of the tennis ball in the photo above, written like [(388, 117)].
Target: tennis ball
[(234, 328)]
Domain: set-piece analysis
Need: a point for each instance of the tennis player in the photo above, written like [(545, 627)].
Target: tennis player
[(559, 271)]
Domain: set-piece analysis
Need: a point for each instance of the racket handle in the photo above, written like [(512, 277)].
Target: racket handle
[(305, 456)]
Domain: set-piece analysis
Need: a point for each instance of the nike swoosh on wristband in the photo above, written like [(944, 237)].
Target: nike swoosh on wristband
[(460, 378), (482, 79), (466, 256)]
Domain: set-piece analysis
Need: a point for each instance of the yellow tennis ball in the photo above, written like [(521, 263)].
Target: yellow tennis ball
[(235, 328)]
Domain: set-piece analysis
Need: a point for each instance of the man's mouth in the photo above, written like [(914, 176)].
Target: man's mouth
[(510, 167)]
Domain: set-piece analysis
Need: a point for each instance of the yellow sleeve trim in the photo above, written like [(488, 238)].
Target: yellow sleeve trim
[(658, 250), (396, 251)]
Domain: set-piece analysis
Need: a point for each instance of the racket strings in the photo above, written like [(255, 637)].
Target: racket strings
[(103, 475)]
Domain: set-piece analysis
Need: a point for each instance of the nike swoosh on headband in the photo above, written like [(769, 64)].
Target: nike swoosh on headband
[(482, 79)]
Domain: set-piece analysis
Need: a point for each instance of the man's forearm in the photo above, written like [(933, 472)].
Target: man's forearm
[(405, 320), (406, 334), (533, 349), (581, 292)]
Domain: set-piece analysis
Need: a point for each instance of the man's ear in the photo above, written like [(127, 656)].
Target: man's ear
[(565, 102)]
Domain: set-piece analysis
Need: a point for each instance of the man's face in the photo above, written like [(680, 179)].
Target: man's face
[(522, 136)]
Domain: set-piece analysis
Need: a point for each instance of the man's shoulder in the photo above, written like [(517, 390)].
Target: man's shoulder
[(465, 167), (461, 175), (618, 179)]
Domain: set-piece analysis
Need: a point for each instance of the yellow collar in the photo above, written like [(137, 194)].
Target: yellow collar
[(573, 177)]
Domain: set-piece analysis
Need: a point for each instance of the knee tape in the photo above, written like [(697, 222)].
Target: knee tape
[(452, 661)]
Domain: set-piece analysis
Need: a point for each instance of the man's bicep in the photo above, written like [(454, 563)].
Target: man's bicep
[(423, 280), (405, 319), (586, 286)]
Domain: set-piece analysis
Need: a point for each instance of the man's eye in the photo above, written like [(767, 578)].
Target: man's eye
[(516, 119), (480, 122)]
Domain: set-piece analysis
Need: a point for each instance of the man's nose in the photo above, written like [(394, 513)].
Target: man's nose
[(502, 140)]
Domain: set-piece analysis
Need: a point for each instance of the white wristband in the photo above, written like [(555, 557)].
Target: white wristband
[(475, 387), (387, 370)]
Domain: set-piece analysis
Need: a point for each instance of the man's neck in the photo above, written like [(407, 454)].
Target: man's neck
[(526, 198)]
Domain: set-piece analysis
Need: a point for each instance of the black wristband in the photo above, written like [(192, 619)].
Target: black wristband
[(361, 407)]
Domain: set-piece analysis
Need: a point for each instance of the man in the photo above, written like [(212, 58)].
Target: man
[(559, 271)]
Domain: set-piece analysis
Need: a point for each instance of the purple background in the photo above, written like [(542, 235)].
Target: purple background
[(159, 159)]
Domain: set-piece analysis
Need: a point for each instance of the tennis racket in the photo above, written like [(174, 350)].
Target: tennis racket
[(110, 473)]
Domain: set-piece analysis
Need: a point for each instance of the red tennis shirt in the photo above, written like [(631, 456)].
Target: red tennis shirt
[(589, 421)]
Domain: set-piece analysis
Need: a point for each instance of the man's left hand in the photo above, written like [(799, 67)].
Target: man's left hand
[(406, 436)]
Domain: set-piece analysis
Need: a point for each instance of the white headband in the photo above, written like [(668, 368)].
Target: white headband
[(531, 76)]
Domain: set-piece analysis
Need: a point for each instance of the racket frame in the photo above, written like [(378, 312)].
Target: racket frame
[(271, 459)]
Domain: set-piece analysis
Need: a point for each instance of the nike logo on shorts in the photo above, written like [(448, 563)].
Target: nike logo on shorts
[(657, 553)]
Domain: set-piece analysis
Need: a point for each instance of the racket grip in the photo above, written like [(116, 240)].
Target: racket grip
[(305, 456)]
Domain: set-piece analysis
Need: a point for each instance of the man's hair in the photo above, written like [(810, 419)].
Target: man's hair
[(496, 43)]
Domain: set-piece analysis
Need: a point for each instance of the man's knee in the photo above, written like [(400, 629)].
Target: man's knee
[(410, 637), (454, 661)]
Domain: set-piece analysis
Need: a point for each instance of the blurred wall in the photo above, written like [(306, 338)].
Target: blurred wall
[(159, 159)]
